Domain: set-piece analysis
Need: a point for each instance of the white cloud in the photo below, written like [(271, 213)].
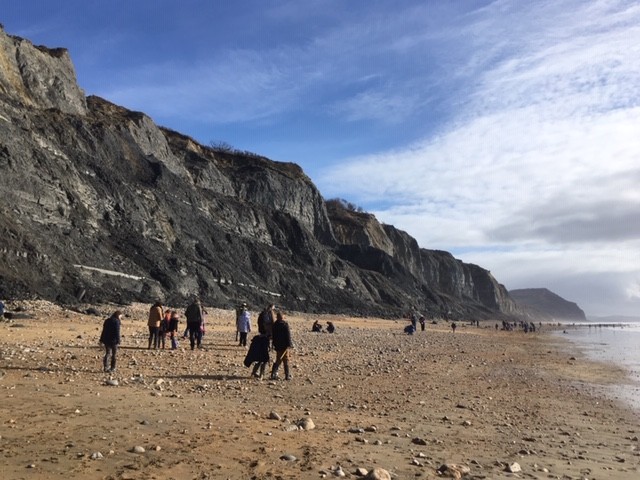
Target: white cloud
[(538, 173)]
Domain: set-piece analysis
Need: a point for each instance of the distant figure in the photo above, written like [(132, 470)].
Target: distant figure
[(258, 353), (414, 320), (174, 320), (423, 323), (243, 325), (164, 327), (265, 320), (195, 323), (316, 327), (496, 326), (331, 327), (155, 318), (409, 329), (110, 338), (453, 327), (281, 343)]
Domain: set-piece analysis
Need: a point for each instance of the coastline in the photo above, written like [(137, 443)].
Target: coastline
[(613, 343), (479, 398)]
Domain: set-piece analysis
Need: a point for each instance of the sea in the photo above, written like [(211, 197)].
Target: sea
[(617, 343)]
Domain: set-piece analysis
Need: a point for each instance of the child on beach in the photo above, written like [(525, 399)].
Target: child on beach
[(173, 329)]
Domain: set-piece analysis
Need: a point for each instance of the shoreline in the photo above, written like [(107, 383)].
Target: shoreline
[(479, 398)]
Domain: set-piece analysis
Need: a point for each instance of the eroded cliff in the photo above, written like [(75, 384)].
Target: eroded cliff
[(101, 204)]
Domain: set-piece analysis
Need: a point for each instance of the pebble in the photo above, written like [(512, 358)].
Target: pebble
[(96, 456), (514, 467), (306, 424), (338, 472), (138, 449), (274, 416), (378, 474), (288, 457)]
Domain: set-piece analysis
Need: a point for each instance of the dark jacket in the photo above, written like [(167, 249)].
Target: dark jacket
[(110, 331), (193, 313), (265, 322), (258, 350), (281, 335)]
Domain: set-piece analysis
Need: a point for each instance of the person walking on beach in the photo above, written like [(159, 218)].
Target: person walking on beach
[(453, 327), (265, 320), (164, 328), (173, 329), (195, 322), (155, 319), (423, 323), (110, 338), (243, 325), (281, 343), (258, 353)]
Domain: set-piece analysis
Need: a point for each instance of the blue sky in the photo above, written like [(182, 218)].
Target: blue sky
[(505, 132)]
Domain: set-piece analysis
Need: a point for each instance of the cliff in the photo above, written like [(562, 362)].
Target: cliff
[(540, 303), (101, 204)]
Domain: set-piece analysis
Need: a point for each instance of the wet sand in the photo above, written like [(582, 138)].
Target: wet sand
[(481, 399)]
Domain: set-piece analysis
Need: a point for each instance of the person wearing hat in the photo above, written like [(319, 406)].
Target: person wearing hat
[(195, 321), (243, 325)]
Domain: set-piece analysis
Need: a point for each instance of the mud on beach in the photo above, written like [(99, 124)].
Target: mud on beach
[(366, 396)]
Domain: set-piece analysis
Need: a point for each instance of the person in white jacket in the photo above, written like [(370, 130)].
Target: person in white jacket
[(243, 325)]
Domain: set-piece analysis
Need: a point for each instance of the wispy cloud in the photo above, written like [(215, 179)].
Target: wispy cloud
[(540, 160)]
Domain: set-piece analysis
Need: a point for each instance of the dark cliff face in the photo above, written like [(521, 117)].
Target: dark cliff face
[(100, 204), (432, 281)]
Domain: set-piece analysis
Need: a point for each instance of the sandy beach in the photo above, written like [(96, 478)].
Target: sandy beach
[(495, 404)]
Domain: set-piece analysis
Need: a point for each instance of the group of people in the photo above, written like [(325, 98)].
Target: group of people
[(273, 334), (415, 318), (316, 327), (163, 323)]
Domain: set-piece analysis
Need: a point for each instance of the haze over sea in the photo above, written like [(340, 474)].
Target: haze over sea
[(618, 343)]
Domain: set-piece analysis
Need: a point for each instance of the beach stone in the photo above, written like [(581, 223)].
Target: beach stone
[(287, 457), (112, 382), (419, 441), (138, 449), (306, 424), (338, 472), (361, 472), (451, 470), (378, 474), (513, 467), (274, 416), (96, 456)]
